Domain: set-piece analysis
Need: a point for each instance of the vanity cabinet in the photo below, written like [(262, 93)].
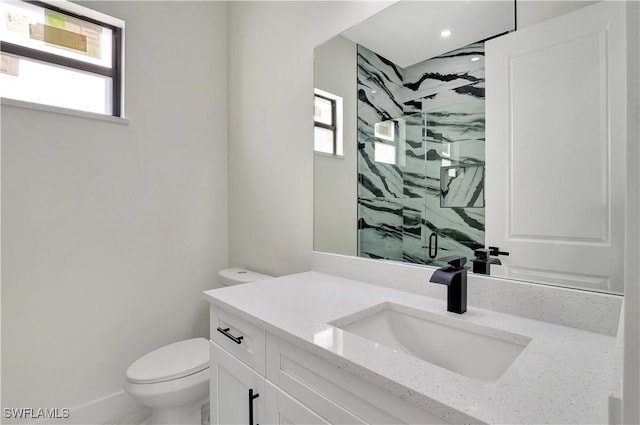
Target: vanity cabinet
[(237, 392), (291, 385)]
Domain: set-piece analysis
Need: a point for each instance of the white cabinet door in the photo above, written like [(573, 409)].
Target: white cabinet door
[(237, 392), (283, 409), (556, 145)]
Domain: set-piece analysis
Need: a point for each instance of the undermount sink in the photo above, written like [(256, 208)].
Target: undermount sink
[(466, 348)]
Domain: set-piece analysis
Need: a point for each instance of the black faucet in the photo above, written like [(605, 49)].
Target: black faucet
[(482, 263), (455, 277), (494, 250)]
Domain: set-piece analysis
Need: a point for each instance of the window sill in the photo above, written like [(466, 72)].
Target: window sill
[(64, 111), (328, 155)]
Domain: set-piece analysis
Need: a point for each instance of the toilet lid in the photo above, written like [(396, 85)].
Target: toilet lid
[(170, 362)]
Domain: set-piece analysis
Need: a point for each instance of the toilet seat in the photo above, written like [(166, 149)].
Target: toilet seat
[(170, 362)]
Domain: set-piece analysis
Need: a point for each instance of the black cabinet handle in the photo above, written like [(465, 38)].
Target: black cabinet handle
[(225, 332), (252, 397)]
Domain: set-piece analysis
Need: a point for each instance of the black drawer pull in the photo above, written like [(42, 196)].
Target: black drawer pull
[(225, 332)]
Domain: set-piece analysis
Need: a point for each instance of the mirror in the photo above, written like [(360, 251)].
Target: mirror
[(413, 181)]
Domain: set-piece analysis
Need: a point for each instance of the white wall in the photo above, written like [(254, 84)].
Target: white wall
[(334, 205), (111, 232), (270, 128)]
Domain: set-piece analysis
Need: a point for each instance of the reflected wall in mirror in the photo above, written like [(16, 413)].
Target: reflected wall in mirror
[(434, 166)]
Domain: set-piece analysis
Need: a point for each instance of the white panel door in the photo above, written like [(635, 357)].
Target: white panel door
[(555, 149), (232, 384)]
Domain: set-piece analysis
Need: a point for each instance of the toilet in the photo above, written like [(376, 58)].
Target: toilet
[(174, 380), (237, 275)]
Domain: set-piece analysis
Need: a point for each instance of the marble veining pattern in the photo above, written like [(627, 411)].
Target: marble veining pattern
[(454, 187), (440, 105)]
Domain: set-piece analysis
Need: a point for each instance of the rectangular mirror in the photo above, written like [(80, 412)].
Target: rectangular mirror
[(424, 169)]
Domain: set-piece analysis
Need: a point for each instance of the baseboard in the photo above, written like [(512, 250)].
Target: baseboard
[(118, 408)]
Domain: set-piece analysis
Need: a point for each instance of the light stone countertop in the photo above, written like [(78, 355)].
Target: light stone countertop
[(561, 377)]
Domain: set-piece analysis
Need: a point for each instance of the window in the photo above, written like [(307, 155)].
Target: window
[(328, 123), (64, 55)]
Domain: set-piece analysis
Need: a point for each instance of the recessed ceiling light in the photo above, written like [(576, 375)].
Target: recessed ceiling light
[(475, 59), (445, 33)]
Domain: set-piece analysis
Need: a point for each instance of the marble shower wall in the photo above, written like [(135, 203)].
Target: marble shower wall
[(433, 186)]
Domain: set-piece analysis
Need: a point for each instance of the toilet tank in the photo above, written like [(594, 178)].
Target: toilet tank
[(236, 275)]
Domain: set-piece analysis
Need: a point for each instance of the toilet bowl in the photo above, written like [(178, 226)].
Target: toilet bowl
[(174, 380)]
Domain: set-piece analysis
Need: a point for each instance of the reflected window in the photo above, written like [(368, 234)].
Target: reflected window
[(390, 137), (385, 153), (327, 117), (385, 130)]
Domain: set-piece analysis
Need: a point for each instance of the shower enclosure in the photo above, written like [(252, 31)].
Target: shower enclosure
[(421, 157)]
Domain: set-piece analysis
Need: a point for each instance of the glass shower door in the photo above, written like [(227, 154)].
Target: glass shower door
[(454, 205)]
